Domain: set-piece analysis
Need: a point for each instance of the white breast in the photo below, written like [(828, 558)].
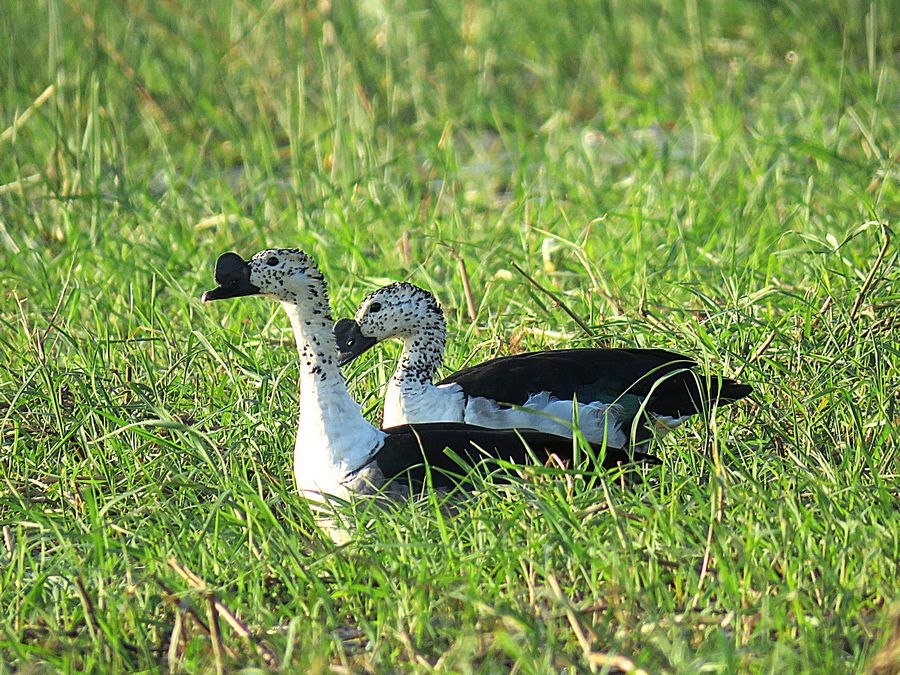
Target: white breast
[(425, 404), (333, 438), (544, 412)]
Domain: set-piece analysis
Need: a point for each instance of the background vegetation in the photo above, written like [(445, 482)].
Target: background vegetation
[(712, 177)]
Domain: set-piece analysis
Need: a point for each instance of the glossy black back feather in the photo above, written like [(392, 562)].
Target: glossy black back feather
[(600, 375), (407, 448)]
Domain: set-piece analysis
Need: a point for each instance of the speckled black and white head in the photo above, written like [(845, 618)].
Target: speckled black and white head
[(291, 277), (284, 274), (400, 310)]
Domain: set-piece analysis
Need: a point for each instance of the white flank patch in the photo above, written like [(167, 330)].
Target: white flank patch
[(597, 421), (663, 424)]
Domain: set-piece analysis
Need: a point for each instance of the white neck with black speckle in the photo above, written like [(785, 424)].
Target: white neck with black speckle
[(423, 352), (411, 395), (333, 438)]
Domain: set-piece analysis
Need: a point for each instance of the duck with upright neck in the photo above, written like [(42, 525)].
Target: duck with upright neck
[(617, 395), (337, 451)]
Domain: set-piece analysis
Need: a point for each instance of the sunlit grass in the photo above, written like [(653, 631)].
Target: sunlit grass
[(719, 179)]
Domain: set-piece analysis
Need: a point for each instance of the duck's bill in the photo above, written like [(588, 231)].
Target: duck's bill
[(350, 341), (233, 277)]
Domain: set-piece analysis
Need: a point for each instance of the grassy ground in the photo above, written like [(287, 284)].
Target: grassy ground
[(719, 178)]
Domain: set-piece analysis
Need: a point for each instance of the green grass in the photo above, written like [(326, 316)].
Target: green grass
[(720, 178)]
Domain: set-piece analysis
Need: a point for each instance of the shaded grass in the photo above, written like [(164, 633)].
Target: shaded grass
[(717, 177)]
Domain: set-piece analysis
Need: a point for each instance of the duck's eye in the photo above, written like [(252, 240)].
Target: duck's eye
[(271, 262), (375, 307)]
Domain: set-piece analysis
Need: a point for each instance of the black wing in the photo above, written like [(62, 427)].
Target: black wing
[(408, 448), (600, 375)]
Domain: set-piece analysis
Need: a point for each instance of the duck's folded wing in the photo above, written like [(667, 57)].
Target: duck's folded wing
[(445, 446), (605, 375)]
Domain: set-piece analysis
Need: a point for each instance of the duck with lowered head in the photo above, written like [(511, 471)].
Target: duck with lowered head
[(622, 394)]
